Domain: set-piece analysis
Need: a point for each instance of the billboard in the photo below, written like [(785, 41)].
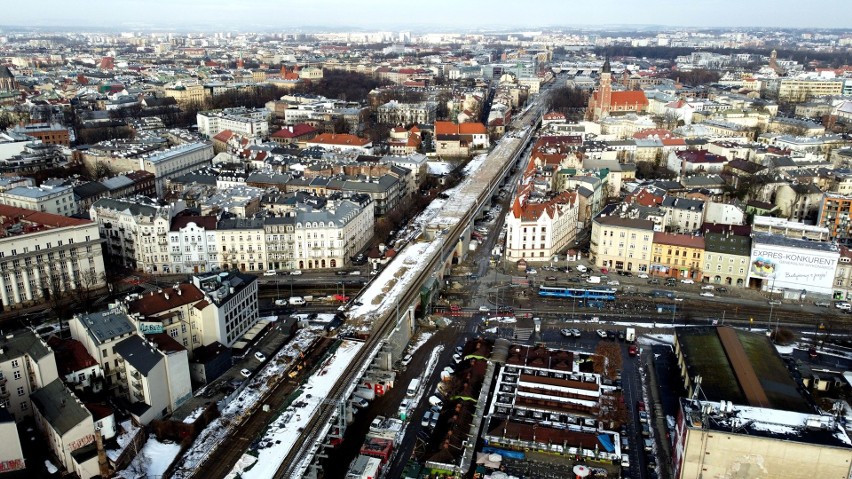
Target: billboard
[(149, 327), (793, 268)]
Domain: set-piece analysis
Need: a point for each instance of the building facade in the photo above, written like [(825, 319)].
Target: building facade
[(536, 231), (58, 200), (43, 255), (678, 256), (26, 364), (726, 259), (621, 240)]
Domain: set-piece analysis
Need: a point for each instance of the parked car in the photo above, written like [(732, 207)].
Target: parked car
[(359, 402), (642, 275), (484, 309), (721, 289), (707, 294), (653, 281), (406, 360), (551, 278), (687, 281), (822, 304), (566, 332), (775, 302), (270, 272), (296, 272), (625, 461), (843, 305), (576, 333), (708, 287), (613, 283), (259, 356), (245, 373), (601, 333)]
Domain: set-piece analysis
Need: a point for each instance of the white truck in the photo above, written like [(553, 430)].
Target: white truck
[(630, 335), (594, 279)]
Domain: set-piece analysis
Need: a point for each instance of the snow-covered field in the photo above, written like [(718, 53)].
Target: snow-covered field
[(244, 403), (123, 439), (439, 167), (154, 458), (283, 432)]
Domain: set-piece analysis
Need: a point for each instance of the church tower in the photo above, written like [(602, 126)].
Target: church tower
[(605, 88)]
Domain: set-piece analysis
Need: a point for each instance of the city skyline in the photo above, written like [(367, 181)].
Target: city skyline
[(383, 15)]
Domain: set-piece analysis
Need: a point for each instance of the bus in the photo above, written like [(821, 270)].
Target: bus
[(594, 294), (413, 386)]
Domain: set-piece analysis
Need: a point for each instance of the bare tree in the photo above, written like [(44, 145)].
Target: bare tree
[(610, 359)]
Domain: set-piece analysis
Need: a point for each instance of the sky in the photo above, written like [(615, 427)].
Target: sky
[(382, 15)]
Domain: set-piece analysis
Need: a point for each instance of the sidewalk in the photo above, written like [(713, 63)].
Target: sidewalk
[(664, 453)]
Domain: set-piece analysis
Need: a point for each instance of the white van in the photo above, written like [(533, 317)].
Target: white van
[(297, 301), (843, 306), (581, 268), (435, 401), (413, 386)]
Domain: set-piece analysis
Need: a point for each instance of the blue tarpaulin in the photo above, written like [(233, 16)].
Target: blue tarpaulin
[(606, 442)]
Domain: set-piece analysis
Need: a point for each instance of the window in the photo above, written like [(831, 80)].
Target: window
[(24, 406), (21, 391), (16, 363), (17, 375)]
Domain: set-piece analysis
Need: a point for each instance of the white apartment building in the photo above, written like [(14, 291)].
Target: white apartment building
[(396, 113), (11, 453), (43, 254), (58, 200), (26, 364), (308, 238), (176, 161), (251, 123), (229, 309), (145, 381), (192, 244), (99, 333), (538, 230)]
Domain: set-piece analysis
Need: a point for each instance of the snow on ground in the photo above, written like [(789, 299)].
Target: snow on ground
[(51, 469), (655, 339), (285, 430), (439, 167), (319, 317), (383, 293), (154, 458), (474, 164), (245, 462), (420, 342), (245, 402), (123, 439), (193, 415)]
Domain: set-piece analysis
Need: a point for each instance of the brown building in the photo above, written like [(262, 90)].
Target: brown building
[(677, 255), (48, 133)]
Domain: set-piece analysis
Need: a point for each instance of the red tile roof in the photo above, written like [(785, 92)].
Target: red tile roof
[(71, 355), (629, 98), (340, 139), (294, 131), (224, 136), (36, 219), (450, 128), (153, 303)]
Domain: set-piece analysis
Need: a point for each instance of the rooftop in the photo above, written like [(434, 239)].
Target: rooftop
[(22, 342), (106, 325), (139, 354), (59, 407)]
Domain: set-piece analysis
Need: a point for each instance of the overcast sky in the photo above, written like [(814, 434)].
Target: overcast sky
[(378, 15)]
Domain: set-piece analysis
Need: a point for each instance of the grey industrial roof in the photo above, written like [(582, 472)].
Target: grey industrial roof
[(105, 325), (727, 244), (22, 342), (779, 240), (139, 354), (58, 405)]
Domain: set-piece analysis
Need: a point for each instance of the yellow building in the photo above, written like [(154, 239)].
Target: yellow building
[(677, 255), (799, 90)]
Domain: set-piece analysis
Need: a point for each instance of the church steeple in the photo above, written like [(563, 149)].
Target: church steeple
[(606, 67)]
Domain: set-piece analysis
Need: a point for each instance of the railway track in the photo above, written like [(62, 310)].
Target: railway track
[(293, 464)]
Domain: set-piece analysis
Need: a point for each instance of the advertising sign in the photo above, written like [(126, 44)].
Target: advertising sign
[(148, 327), (793, 268)]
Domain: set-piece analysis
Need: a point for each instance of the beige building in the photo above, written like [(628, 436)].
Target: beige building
[(11, 454), (720, 439), (188, 93), (43, 254), (136, 234), (726, 259), (26, 364), (241, 244), (621, 239)]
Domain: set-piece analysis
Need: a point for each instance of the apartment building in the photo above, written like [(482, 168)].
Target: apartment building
[(677, 256), (168, 311), (397, 113), (176, 161), (726, 258), (143, 379), (305, 237), (538, 230), (187, 93), (192, 244), (136, 233), (58, 200), (790, 229), (241, 244), (47, 133), (342, 142), (11, 453), (69, 428), (26, 364), (43, 254), (834, 214), (622, 239), (247, 122), (229, 308), (682, 214), (798, 90), (99, 333)]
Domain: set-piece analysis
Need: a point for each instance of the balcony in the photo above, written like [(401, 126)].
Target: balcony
[(136, 375)]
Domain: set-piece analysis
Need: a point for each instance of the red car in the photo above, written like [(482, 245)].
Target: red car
[(640, 405), (633, 350)]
